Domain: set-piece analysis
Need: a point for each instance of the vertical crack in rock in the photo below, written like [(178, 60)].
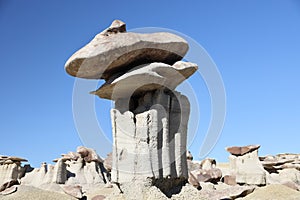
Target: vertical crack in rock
[(150, 152), (115, 168), (148, 131), (172, 139), (135, 153)]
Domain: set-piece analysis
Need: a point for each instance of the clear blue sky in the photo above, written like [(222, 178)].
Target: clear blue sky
[(255, 45)]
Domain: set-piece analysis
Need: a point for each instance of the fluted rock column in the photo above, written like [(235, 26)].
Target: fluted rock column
[(150, 142), (60, 172)]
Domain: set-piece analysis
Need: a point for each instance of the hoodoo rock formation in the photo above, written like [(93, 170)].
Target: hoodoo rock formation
[(83, 167), (245, 165), (150, 118)]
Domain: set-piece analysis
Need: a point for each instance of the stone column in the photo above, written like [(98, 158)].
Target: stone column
[(150, 142)]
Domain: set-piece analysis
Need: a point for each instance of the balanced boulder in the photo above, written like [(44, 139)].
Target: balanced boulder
[(114, 50)]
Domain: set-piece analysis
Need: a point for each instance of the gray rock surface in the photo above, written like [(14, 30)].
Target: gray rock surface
[(145, 78), (85, 173), (115, 50), (46, 174), (36, 177), (12, 171), (60, 172), (147, 142)]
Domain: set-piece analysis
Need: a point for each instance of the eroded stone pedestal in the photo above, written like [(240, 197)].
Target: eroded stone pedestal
[(150, 133)]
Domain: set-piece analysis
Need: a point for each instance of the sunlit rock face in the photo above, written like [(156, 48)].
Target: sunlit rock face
[(246, 166), (83, 167), (11, 169), (150, 137)]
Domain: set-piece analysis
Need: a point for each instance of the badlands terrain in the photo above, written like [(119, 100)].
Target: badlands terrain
[(84, 175)]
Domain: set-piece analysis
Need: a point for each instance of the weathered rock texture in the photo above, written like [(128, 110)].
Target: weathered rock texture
[(273, 164), (77, 175), (47, 174), (83, 167), (206, 172), (283, 169), (150, 140)]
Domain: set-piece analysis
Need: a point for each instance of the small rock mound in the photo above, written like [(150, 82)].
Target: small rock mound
[(281, 161), (207, 172)]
